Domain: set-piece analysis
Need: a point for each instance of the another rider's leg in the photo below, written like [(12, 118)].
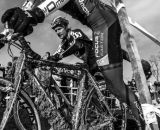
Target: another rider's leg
[(108, 40)]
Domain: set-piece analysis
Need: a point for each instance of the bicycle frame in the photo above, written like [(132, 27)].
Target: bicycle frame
[(16, 86), (82, 75)]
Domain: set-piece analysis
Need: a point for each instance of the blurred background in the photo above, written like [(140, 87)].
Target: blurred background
[(145, 12)]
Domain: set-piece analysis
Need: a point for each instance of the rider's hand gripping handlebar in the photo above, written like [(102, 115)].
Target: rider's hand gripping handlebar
[(9, 36)]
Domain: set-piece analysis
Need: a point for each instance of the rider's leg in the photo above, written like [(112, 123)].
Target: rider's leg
[(108, 40), (91, 61)]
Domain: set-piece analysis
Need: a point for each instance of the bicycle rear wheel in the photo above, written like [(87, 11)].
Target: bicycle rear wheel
[(96, 117)]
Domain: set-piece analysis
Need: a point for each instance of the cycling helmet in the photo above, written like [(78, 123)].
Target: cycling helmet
[(59, 21)]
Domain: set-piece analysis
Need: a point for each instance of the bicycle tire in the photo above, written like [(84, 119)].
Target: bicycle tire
[(14, 111), (24, 101), (102, 123)]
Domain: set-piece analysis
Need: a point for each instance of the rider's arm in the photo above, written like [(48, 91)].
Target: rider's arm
[(76, 46), (49, 6), (56, 56), (59, 50), (78, 40)]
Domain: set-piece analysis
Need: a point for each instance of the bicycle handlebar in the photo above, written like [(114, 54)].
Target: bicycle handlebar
[(10, 36)]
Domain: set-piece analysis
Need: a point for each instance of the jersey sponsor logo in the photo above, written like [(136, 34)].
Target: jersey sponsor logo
[(51, 6), (47, 8), (58, 3), (82, 4), (98, 44), (76, 34), (69, 72), (103, 61)]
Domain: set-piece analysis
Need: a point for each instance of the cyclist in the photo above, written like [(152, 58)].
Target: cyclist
[(73, 42), (102, 19)]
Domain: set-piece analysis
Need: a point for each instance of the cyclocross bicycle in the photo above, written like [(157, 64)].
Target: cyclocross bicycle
[(90, 110)]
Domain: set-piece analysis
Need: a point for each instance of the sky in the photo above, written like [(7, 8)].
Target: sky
[(145, 12)]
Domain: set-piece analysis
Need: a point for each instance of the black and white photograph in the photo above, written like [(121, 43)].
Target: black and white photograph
[(79, 65)]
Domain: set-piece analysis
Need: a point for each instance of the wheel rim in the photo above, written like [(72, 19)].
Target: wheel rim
[(105, 122), (26, 115)]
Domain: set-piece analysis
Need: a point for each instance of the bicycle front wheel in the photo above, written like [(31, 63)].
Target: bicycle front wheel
[(18, 112), (7, 99), (25, 113)]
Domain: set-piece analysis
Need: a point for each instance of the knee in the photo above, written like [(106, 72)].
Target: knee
[(103, 61)]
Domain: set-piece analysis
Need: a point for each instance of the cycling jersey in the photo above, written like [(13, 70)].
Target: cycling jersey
[(79, 44), (99, 17), (87, 11), (75, 43)]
